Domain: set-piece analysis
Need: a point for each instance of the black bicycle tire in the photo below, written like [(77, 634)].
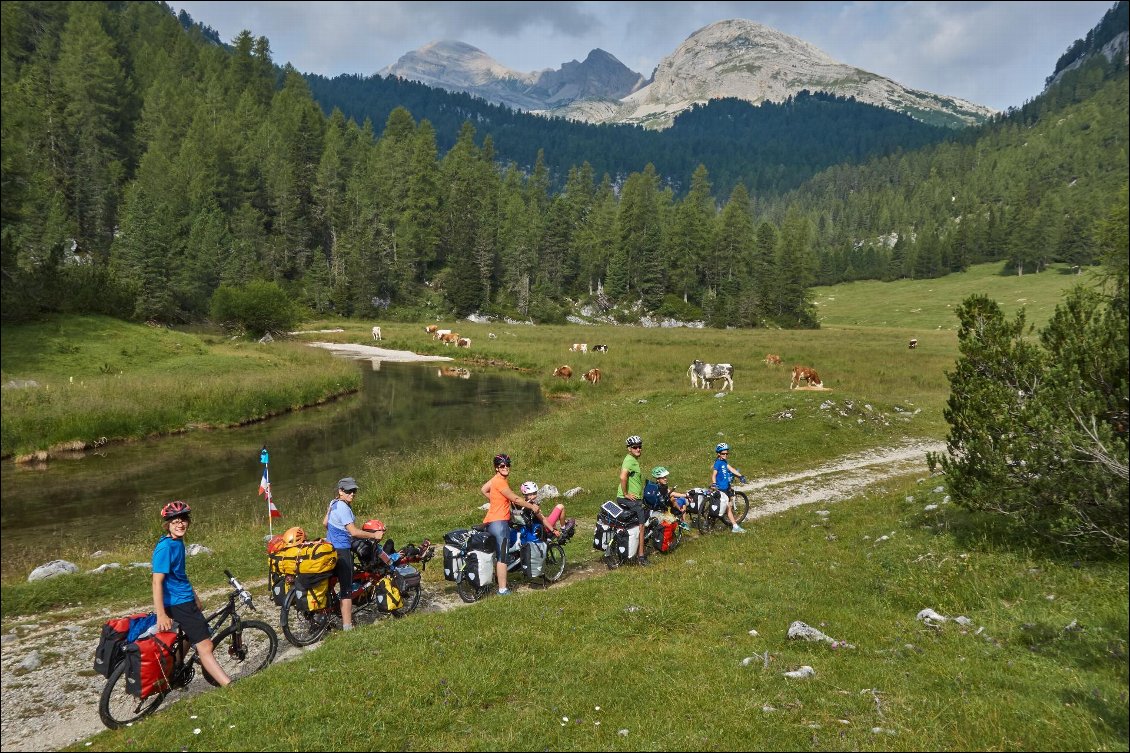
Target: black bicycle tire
[(410, 600), (469, 592), (551, 547), (245, 627), (284, 622), (743, 504), (116, 687)]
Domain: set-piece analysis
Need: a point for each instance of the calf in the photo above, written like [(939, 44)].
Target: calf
[(772, 358), (463, 342), (564, 372), (705, 373), (431, 329), (913, 343), (592, 376), (376, 333), (600, 349), (451, 338), (579, 348), (808, 375)]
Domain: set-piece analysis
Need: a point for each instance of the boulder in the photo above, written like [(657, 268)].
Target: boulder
[(195, 549), (52, 569)]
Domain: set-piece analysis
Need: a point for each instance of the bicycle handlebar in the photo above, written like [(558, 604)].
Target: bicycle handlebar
[(244, 595)]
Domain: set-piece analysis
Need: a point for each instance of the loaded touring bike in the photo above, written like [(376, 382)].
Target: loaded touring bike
[(242, 648)]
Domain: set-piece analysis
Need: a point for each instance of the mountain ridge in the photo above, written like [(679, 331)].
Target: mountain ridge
[(733, 58)]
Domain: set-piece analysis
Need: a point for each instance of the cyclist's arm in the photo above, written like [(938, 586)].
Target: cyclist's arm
[(486, 490), (713, 476), (734, 470), (164, 622), (359, 533)]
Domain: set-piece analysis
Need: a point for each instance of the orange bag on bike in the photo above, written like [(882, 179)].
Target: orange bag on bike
[(149, 664)]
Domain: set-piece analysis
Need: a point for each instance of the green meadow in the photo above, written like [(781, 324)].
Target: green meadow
[(663, 658)]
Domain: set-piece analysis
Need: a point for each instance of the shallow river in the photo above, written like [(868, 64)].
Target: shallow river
[(118, 490)]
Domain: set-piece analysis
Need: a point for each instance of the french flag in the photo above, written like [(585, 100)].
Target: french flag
[(274, 510), (264, 484)]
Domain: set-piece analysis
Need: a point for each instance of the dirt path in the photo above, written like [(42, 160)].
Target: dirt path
[(56, 703)]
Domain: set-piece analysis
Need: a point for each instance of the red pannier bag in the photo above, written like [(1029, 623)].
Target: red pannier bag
[(150, 662), (112, 642), (663, 535)]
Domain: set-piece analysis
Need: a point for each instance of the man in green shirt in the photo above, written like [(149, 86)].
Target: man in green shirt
[(629, 492)]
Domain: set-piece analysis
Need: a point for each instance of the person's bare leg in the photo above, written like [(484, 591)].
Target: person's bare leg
[(347, 614), (204, 650)]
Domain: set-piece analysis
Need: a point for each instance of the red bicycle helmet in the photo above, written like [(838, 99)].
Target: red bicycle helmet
[(501, 459), (175, 509), (373, 525)]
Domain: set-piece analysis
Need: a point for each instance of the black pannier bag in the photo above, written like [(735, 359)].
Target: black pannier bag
[(533, 558), (479, 569), (601, 537), (452, 562), (457, 538), (481, 541), (613, 514), (115, 636)]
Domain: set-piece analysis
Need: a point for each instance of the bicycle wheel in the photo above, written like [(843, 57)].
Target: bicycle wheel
[(554, 566), (705, 523), (469, 592), (244, 650), (300, 627), (411, 599), (740, 503), (117, 707)]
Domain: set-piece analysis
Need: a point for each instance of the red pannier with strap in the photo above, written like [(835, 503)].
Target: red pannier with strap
[(663, 535), (149, 664), (112, 642)]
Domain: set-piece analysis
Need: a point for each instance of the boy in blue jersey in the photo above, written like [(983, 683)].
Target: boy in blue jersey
[(174, 599), (721, 476)]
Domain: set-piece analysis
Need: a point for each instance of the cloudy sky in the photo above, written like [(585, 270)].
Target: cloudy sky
[(992, 53)]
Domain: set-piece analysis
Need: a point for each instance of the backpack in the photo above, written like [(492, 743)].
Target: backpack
[(149, 664), (653, 496), (116, 633), (307, 558)]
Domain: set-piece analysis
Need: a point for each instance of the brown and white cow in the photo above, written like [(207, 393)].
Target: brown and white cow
[(579, 348), (771, 359), (600, 349), (913, 343), (564, 372), (809, 375), (431, 329), (376, 333), (592, 376), (439, 333), (451, 338), (463, 342)]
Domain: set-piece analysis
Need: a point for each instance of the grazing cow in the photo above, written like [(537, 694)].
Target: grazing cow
[(450, 338), (376, 333), (807, 374), (453, 371), (705, 373), (592, 376), (579, 348), (772, 358), (439, 333), (463, 342), (431, 329), (564, 372), (600, 349), (913, 343)]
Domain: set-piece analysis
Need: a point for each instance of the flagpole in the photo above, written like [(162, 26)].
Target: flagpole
[(264, 458)]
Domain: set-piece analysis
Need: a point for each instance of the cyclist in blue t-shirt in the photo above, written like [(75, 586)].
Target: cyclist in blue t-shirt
[(720, 478), (340, 531), (174, 599)]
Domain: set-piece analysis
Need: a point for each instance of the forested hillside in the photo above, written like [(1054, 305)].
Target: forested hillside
[(769, 148), (146, 167)]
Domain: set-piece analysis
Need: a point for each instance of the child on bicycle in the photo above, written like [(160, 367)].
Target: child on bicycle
[(673, 501), (530, 492), (720, 477), (174, 599)]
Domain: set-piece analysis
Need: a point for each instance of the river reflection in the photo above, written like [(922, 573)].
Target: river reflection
[(401, 406)]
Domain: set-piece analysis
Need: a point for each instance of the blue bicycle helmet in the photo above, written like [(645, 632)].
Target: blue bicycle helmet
[(722, 447)]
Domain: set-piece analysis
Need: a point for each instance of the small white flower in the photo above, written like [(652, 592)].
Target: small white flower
[(564, 718), (596, 708)]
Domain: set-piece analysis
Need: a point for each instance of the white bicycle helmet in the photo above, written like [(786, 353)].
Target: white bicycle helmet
[(529, 487), (633, 441)]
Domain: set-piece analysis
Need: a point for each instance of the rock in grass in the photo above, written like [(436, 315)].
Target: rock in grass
[(801, 674), (930, 616), (52, 569)]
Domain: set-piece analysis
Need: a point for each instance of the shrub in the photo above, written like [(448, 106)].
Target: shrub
[(257, 308)]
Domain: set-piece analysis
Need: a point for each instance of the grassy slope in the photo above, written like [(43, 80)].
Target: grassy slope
[(580, 645), (91, 369)]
